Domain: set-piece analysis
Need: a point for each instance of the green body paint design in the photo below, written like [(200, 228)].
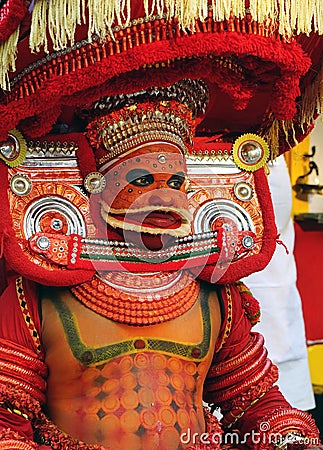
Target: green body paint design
[(91, 356)]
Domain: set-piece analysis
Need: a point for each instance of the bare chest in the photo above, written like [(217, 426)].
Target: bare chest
[(127, 386)]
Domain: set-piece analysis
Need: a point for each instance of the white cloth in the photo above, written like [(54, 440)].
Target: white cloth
[(282, 322)]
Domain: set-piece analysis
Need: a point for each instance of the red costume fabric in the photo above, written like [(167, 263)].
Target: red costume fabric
[(240, 379)]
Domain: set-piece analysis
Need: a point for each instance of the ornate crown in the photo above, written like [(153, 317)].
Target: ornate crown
[(123, 122)]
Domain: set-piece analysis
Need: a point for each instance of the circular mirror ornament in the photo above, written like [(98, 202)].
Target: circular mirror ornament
[(13, 150), (243, 191), (248, 242), (250, 152), (94, 182), (20, 184), (43, 243)]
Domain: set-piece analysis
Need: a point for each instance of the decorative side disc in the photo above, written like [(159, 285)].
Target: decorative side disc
[(250, 152), (13, 150)]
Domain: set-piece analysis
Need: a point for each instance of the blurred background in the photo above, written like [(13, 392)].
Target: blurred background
[(305, 164)]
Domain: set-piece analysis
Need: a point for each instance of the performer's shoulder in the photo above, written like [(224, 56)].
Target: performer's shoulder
[(20, 299)]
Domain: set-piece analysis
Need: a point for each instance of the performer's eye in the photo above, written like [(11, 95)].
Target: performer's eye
[(140, 177), (176, 181)]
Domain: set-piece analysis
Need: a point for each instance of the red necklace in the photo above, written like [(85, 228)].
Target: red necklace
[(170, 297)]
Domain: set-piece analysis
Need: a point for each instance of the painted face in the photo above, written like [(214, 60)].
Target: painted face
[(146, 191)]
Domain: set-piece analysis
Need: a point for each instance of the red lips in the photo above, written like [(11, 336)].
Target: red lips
[(154, 219), (163, 219)]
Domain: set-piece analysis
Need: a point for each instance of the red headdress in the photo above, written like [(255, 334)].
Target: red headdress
[(261, 62)]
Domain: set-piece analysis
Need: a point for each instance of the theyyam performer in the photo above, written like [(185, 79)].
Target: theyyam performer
[(134, 141)]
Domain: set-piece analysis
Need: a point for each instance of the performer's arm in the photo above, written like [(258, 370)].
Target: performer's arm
[(241, 381), (22, 369)]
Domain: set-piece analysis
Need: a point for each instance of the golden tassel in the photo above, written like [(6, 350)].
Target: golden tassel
[(318, 17), (272, 139), (312, 100), (293, 16), (8, 51), (223, 8), (285, 26), (62, 16), (272, 136), (103, 15), (262, 9), (38, 27), (302, 16), (289, 129), (311, 106), (294, 13)]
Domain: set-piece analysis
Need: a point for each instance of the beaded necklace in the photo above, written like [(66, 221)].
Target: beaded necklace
[(139, 299)]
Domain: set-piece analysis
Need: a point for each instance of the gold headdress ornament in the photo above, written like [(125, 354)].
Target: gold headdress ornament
[(121, 123)]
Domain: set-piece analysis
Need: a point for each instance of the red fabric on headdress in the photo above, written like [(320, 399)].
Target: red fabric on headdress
[(254, 73), (11, 14)]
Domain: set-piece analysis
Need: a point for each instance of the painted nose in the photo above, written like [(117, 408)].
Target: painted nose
[(161, 198)]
